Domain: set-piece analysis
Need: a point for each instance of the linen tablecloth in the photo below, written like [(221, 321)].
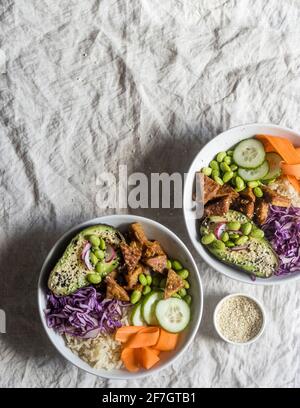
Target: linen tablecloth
[(87, 86)]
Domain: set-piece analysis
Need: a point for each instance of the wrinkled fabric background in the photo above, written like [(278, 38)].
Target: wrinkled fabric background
[(89, 85)]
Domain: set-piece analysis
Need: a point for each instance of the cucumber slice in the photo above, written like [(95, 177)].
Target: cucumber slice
[(136, 316), (173, 314), (254, 174), (148, 307), (249, 154), (273, 160)]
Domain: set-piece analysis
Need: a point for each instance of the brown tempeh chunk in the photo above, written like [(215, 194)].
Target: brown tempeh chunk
[(261, 211), (219, 207), (114, 290), (133, 276), (138, 233), (158, 263), (274, 198), (207, 188), (153, 248), (244, 206), (227, 190), (131, 253), (248, 194), (174, 284)]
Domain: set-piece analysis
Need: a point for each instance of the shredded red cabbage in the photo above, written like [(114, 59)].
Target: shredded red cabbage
[(282, 229), (84, 313)]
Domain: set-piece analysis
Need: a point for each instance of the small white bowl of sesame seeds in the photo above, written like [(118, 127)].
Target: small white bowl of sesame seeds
[(239, 319)]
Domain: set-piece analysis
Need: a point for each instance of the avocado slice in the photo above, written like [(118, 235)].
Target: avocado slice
[(69, 274), (258, 259)]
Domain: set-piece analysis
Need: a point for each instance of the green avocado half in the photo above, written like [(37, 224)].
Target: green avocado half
[(69, 274), (258, 259)]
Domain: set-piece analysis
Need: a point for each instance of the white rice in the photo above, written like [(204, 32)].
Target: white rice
[(284, 187), (101, 352)]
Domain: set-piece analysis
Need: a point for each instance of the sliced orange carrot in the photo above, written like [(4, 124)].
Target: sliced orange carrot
[(282, 146), (130, 359), (298, 151), (145, 337), (124, 333), (294, 182), (291, 169), (167, 341), (157, 352), (147, 357)]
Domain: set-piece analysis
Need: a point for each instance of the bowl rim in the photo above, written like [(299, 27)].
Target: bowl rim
[(197, 245), (198, 281), (258, 303)]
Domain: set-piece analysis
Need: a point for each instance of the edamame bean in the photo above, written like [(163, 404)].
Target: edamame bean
[(229, 244), (242, 240), (206, 170), (156, 280), (99, 253), (227, 160), (149, 279), (214, 165), (169, 264), (258, 192), (146, 290), (142, 279), (163, 282), (239, 182), (102, 244), (176, 265), (246, 228), (135, 296), (225, 236), (221, 156), (94, 278), (257, 233), (215, 173), (93, 258), (208, 239), (233, 225), (227, 176), (188, 299), (94, 240), (186, 284), (184, 273), (220, 245), (175, 295), (252, 184), (234, 236), (218, 180), (100, 267), (182, 292), (234, 167), (229, 152), (224, 167)]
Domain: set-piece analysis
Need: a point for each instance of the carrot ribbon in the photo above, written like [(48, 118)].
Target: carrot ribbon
[(291, 156), (142, 345)]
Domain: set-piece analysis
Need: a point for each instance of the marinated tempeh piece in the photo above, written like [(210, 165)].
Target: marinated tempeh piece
[(115, 291), (158, 263), (261, 211), (138, 233), (132, 276), (153, 248), (174, 284), (274, 198), (131, 253), (219, 207)]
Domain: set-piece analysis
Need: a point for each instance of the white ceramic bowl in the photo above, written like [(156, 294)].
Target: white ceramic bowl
[(260, 306), (174, 247), (222, 142)]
